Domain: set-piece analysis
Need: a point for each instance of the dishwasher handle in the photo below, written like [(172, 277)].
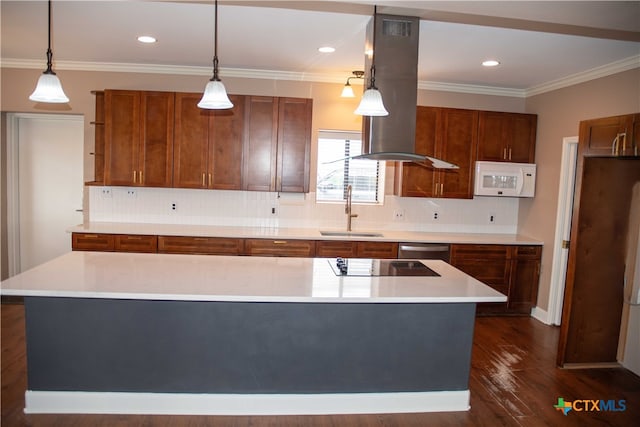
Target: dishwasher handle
[(431, 248)]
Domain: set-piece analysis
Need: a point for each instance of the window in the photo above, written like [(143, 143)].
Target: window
[(336, 170)]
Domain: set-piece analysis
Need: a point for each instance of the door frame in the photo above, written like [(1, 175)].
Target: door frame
[(13, 184), (566, 191)]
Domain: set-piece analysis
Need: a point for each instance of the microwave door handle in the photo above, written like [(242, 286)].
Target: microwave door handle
[(520, 184)]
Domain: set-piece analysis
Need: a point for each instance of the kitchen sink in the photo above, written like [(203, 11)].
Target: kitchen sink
[(350, 234)]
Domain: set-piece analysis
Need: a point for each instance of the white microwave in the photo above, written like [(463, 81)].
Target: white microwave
[(505, 179)]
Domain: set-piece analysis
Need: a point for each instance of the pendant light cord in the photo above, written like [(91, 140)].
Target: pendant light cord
[(373, 51), (215, 45), (49, 69)]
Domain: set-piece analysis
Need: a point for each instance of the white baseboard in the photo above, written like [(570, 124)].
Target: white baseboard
[(76, 402), (541, 315)]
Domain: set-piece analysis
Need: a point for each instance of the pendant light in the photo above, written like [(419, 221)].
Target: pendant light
[(347, 90), (215, 95), (49, 88), (371, 103)]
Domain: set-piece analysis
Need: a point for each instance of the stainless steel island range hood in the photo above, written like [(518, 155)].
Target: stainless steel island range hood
[(392, 50)]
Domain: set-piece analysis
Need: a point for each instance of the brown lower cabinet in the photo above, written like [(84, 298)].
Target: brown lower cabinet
[(337, 248), (510, 269), (280, 247), (114, 242), (200, 245)]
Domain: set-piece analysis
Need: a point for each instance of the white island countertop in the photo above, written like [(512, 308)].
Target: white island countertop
[(303, 233), (236, 278)]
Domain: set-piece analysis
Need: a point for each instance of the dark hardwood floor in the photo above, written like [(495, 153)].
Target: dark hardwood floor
[(514, 382)]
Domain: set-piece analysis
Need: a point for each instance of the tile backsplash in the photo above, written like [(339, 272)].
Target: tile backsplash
[(261, 209)]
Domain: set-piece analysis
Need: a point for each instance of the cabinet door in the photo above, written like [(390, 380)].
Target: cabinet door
[(633, 146), (523, 286), (458, 146), (260, 142), (294, 142), (226, 130), (156, 143), (609, 136), (522, 138), (122, 137), (491, 136), (191, 142), (414, 179)]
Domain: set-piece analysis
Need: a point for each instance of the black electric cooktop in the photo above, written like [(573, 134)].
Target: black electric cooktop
[(379, 267)]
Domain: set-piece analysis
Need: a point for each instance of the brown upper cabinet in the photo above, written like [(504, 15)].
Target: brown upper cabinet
[(507, 137), (138, 138), (449, 134), (208, 144), (277, 143), (610, 136)]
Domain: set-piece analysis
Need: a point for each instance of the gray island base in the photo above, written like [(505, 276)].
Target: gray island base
[(363, 346)]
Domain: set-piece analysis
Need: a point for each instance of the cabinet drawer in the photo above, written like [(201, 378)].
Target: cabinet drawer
[(92, 242), (377, 250), (533, 252), (136, 243), (331, 249), (479, 252), (199, 245), (276, 247)]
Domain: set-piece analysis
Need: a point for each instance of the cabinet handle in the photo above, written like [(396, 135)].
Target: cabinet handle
[(504, 153), (134, 238), (442, 189), (509, 153), (90, 236), (210, 180), (279, 242), (141, 180), (615, 145), (624, 142), (134, 177), (435, 189), (203, 183)]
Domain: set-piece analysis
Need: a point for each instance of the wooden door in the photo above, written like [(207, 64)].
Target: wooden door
[(260, 142), (226, 131), (595, 273), (191, 142), (458, 145), (156, 139), (522, 137), (294, 144), (122, 136), (415, 179)]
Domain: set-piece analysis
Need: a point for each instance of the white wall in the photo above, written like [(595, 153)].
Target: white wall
[(245, 208)]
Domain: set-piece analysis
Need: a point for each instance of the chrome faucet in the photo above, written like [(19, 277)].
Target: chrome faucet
[(347, 208)]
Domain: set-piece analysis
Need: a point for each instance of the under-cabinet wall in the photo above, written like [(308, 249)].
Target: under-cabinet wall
[(254, 209)]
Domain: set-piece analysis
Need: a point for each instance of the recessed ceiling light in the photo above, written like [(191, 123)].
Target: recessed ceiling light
[(490, 63), (326, 49), (147, 39)]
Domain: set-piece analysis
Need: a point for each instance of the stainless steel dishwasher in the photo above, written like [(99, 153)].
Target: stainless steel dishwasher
[(423, 251)]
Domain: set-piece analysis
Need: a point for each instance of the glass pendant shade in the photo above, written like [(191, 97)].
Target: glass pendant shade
[(215, 97), (371, 104), (49, 89), (347, 91)]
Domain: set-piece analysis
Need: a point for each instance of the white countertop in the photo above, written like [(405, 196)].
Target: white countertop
[(236, 278), (300, 233)]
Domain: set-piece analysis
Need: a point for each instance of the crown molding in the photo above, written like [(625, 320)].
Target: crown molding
[(603, 71), (585, 76)]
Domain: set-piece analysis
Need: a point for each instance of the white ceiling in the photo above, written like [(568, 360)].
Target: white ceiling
[(539, 44)]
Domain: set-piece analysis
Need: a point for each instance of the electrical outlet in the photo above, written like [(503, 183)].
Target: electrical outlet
[(106, 193), (492, 218), (398, 215), (274, 211), (131, 193), (174, 207), (436, 215)]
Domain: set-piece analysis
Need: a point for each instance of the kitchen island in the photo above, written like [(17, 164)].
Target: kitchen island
[(190, 334)]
